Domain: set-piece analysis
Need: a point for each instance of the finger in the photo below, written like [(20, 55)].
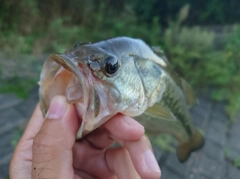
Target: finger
[(119, 161), (52, 146), (89, 161), (99, 139), (114, 163), (142, 157), (92, 161), (125, 128)]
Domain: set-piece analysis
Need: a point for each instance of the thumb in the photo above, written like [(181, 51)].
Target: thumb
[(52, 146)]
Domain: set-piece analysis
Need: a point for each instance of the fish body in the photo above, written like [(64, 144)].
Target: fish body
[(122, 75)]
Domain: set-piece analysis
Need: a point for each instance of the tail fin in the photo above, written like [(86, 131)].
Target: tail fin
[(185, 149)]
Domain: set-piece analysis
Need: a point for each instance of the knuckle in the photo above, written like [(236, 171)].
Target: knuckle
[(145, 139)]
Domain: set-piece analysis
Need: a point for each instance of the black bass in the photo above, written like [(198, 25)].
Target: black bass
[(122, 75)]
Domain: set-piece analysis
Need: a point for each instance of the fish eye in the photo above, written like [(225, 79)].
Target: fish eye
[(111, 65)]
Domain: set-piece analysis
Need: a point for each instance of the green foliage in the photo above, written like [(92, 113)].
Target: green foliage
[(26, 15), (60, 36), (16, 43), (165, 141), (18, 15), (191, 52), (192, 55), (233, 66), (18, 73), (237, 162), (189, 49), (231, 157), (19, 86)]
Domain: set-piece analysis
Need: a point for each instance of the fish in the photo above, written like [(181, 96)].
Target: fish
[(122, 75)]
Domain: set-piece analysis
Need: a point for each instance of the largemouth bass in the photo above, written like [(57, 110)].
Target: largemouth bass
[(122, 75)]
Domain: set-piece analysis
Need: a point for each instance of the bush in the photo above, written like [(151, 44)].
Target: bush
[(191, 52)]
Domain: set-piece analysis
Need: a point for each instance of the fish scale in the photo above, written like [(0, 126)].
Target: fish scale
[(172, 99)]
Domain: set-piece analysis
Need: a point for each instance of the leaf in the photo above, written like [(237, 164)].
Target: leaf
[(183, 13)]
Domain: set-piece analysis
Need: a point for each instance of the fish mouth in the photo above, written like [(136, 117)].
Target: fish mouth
[(67, 74), (77, 89), (71, 65)]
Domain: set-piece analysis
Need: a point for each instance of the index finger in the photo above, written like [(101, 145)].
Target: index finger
[(124, 128), (142, 157), (130, 135)]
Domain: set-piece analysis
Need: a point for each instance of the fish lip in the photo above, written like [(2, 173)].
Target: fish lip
[(68, 62)]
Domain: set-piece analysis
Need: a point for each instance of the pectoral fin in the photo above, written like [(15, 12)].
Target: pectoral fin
[(159, 111)]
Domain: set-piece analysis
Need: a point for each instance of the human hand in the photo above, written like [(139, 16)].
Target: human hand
[(48, 148)]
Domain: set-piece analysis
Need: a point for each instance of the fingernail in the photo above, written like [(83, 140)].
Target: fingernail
[(151, 161), (57, 108), (131, 122)]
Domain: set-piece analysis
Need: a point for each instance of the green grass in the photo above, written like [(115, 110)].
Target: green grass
[(19, 86), (235, 161), (19, 73)]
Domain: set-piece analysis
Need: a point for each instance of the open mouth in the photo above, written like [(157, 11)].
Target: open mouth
[(61, 75), (77, 88), (64, 75)]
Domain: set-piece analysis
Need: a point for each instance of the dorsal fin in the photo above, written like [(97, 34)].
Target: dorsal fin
[(157, 50), (186, 88)]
